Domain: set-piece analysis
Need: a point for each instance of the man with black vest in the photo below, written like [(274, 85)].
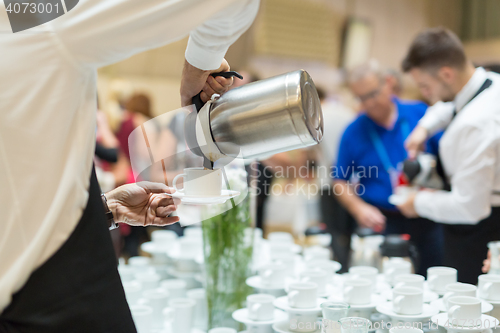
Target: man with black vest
[(469, 149)]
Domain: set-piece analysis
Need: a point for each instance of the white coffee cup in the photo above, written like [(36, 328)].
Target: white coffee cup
[(439, 277), (302, 295), (127, 273), (180, 314), (302, 322), (458, 289), (358, 291), (142, 316), (407, 300), (148, 280), (157, 300), (273, 274), (409, 280), (140, 264), (288, 260), (489, 287), (394, 267), (329, 266), (316, 252), (317, 276), (200, 316), (280, 249), (163, 237), (260, 307), (364, 272), (280, 237), (193, 232), (200, 182), (464, 308), (175, 287), (133, 291)]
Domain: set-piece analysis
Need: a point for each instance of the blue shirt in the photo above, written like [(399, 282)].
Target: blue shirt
[(357, 155)]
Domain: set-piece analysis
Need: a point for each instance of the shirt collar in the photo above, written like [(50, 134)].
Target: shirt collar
[(471, 88)]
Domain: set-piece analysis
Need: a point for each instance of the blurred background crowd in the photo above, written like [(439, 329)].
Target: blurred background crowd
[(353, 50)]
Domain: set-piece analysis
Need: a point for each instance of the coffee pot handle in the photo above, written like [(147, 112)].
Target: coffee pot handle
[(198, 103)]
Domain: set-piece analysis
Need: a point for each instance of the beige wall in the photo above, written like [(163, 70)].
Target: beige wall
[(394, 22)]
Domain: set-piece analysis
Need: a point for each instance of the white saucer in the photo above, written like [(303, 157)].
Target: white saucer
[(282, 303), (375, 300), (284, 327), (198, 200), (241, 316), (494, 303), (439, 303), (443, 321), (429, 296), (428, 311), (256, 282)]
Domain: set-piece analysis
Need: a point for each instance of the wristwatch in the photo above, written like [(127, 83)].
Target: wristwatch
[(109, 214)]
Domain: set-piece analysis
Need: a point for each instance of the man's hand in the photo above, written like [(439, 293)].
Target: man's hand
[(408, 208), (195, 80), (415, 142), (369, 216), (143, 204)]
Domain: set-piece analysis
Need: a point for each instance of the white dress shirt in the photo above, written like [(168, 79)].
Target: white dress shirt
[(470, 153), (48, 108)]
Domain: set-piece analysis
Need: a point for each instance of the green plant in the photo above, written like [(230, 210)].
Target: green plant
[(227, 242)]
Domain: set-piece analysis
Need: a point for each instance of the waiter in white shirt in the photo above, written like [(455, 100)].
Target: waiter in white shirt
[(469, 149), (57, 267)]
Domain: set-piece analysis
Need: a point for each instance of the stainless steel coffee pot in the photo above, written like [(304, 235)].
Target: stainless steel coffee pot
[(257, 120)]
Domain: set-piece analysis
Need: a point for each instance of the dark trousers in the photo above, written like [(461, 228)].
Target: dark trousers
[(466, 245), (340, 224), (78, 289), (426, 235)]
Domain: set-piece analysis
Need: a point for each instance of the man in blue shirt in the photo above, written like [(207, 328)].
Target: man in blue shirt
[(371, 148)]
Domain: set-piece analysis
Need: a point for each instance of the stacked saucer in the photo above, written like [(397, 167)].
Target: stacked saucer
[(260, 314), (302, 306)]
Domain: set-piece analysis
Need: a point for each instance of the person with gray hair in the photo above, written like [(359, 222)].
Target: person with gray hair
[(370, 149)]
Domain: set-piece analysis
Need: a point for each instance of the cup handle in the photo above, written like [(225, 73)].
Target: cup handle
[(292, 295), (267, 273), (486, 289), (256, 307), (396, 303), (400, 284), (174, 182), (452, 310)]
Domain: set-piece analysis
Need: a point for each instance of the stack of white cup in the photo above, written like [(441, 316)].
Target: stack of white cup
[(394, 267), (357, 291), (260, 308), (302, 296)]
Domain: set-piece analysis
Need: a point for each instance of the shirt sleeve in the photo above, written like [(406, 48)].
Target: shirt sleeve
[(343, 169), (99, 33), (469, 200), (437, 117)]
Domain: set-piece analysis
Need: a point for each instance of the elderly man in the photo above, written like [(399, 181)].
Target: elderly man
[(469, 149), (370, 150)]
